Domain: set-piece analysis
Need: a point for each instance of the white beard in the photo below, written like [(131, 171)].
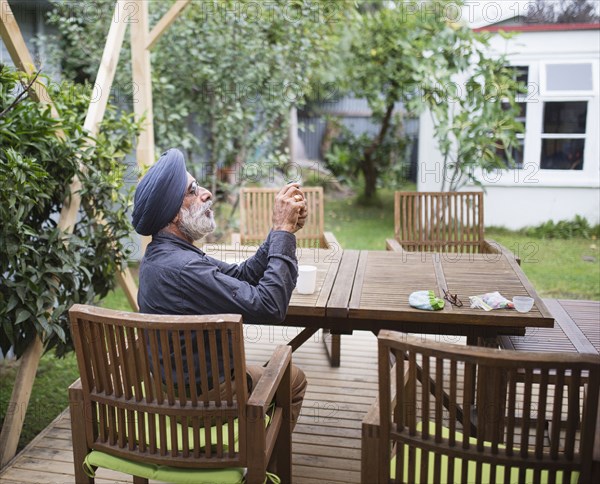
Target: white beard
[(194, 222)]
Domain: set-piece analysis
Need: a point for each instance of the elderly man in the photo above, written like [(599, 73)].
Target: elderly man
[(178, 278)]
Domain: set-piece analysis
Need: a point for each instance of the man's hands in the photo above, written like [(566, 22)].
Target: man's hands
[(290, 210)]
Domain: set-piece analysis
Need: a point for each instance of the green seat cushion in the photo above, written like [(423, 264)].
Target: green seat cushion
[(176, 475), (472, 466)]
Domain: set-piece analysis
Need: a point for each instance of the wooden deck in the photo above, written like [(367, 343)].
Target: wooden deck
[(326, 441)]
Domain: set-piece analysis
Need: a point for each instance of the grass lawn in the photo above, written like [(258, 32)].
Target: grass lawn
[(557, 268), (567, 269), (49, 394)]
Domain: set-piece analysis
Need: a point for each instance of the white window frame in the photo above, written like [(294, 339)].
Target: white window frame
[(531, 174)]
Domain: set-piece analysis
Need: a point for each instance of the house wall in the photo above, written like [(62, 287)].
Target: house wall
[(531, 195)]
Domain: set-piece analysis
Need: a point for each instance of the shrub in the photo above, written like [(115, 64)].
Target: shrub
[(45, 270), (564, 229)]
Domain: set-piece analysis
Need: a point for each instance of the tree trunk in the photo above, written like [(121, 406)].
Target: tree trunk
[(369, 163), (370, 174)]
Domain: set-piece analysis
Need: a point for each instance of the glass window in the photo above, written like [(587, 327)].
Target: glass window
[(569, 77), (565, 117), (563, 136)]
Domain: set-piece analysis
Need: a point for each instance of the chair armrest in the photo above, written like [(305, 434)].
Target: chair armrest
[(370, 422), (393, 245), (370, 445), (76, 387), (492, 247), (596, 447), (330, 240), (263, 393)]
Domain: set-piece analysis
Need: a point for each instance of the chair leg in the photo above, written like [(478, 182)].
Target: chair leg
[(139, 480), (282, 453), (78, 420), (369, 454)]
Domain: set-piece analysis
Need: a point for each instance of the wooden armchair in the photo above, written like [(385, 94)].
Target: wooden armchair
[(426, 427), (256, 210), (440, 222), (145, 406)]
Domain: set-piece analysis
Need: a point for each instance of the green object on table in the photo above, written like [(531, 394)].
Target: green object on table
[(426, 300)]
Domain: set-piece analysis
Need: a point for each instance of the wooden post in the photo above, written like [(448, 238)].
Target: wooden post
[(142, 91), (165, 22), (142, 82), (97, 108), (19, 401)]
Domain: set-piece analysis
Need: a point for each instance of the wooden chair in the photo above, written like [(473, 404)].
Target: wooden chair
[(440, 222), (426, 427), (256, 211), (175, 418)]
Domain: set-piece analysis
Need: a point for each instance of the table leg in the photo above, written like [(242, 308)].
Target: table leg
[(333, 345), (302, 337), (491, 396)]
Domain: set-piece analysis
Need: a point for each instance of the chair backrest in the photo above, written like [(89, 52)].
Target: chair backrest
[(256, 212), (146, 395), (541, 415), (439, 221)]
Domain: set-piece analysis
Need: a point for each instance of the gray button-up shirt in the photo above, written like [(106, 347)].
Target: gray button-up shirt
[(178, 278)]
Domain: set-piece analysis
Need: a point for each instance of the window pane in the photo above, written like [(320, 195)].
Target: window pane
[(569, 77), (562, 154), (565, 117)]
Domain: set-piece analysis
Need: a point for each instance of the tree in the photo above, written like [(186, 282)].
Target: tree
[(563, 11), (225, 74), (417, 58), (43, 269)]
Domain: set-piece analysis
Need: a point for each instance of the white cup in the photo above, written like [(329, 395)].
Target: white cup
[(523, 304), (307, 279)]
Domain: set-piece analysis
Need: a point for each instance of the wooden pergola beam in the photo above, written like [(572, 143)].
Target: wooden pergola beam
[(106, 71), (21, 57), (165, 22), (142, 80)]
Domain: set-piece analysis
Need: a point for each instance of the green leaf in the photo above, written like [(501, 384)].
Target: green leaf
[(22, 315)]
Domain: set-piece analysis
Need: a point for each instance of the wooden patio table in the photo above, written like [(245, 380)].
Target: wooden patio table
[(369, 290)]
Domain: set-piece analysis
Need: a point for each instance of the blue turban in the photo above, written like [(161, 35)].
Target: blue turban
[(159, 195)]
